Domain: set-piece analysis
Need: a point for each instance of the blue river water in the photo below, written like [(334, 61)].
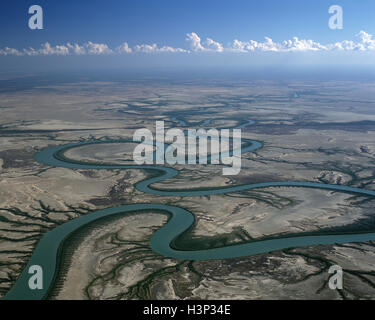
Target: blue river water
[(48, 249)]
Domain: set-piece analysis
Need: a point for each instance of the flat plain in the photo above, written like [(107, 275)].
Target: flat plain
[(321, 131)]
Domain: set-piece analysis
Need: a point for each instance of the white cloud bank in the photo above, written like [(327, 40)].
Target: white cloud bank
[(363, 42)]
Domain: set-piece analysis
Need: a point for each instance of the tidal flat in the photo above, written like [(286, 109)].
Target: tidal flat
[(324, 134)]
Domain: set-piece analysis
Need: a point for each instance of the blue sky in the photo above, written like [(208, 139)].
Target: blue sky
[(166, 23)]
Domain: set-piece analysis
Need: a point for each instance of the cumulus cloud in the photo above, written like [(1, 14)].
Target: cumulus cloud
[(366, 40), (171, 49), (88, 48), (153, 48), (213, 45), (295, 44), (302, 45), (76, 49), (10, 52), (124, 48), (195, 42), (97, 48), (47, 49), (363, 42)]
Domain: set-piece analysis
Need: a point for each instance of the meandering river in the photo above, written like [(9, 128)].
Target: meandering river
[(48, 249)]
